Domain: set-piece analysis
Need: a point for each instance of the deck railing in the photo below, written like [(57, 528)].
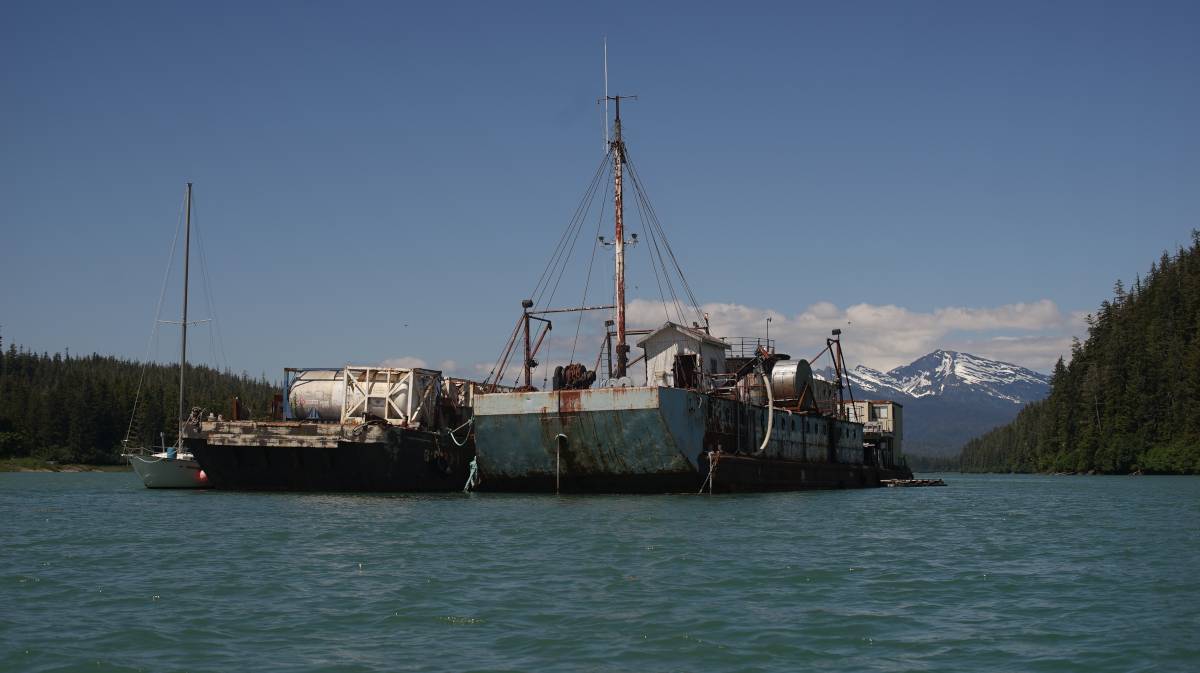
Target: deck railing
[(747, 347)]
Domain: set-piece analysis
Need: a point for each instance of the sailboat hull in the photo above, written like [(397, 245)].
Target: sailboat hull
[(162, 472)]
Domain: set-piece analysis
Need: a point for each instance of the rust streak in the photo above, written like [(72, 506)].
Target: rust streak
[(570, 401)]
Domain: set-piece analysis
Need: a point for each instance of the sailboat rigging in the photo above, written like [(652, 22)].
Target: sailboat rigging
[(173, 466)]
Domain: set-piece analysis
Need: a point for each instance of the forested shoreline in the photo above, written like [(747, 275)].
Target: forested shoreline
[(926, 463), (71, 409), (1128, 401)]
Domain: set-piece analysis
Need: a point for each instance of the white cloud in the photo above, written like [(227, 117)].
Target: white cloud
[(886, 336)]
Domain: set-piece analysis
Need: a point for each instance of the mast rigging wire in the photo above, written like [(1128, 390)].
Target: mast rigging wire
[(551, 276), (157, 316), (655, 235), (502, 362), (216, 342), (640, 189), (656, 261), (588, 282), (561, 250)]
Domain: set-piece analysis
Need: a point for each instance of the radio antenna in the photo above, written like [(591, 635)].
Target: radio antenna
[(606, 142)]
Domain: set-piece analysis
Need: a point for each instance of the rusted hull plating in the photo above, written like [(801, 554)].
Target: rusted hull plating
[(636, 440), (286, 456)]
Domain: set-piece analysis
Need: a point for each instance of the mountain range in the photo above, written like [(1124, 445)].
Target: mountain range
[(949, 397)]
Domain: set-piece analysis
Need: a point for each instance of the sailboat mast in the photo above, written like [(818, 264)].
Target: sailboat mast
[(617, 147), (187, 243)]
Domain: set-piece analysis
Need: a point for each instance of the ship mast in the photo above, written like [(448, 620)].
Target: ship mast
[(187, 244), (617, 149)]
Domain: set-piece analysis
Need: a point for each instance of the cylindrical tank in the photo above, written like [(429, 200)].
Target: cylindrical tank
[(789, 378), (317, 391)]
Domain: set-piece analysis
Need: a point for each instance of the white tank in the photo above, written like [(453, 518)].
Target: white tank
[(389, 394), (317, 392), (788, 379)]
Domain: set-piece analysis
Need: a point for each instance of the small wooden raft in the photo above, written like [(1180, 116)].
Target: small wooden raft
[(912, 482)]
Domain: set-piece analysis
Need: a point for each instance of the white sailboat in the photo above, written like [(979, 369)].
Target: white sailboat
[(168, 468), (172, 467)]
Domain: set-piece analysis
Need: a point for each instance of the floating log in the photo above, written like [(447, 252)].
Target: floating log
[(912, 482)]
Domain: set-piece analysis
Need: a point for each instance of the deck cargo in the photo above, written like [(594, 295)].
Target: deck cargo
[(349, 429)]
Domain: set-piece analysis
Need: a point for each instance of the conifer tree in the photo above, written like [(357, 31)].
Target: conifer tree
[(1125, 401), (77, 409)]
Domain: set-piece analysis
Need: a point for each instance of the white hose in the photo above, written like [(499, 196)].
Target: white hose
[(464, 441), (770, 408), (473, 478)]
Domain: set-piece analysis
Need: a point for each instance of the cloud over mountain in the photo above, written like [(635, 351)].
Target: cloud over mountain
[(884, 336)]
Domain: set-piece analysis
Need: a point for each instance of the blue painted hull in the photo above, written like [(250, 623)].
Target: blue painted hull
[(631, 440)]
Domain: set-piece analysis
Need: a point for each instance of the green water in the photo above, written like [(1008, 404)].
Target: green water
[(992, 573)]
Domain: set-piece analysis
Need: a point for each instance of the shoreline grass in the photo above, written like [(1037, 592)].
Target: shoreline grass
[(38, 465)]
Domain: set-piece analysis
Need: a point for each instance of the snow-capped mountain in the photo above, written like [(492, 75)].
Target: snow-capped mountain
[(869, 380), (949, 397), (950, 373), (943, 372)]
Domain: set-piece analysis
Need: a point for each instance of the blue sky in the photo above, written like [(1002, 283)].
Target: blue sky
[(384, 181)]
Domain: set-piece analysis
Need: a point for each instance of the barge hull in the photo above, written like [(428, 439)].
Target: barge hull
[(744, 474), (249, 456), (657, 440)]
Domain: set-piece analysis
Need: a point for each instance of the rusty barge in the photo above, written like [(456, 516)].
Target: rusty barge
[(354, 428), (709, 414), (750, 423)]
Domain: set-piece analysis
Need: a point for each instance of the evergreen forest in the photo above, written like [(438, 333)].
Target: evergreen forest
[(78, 409), (1129, 401)]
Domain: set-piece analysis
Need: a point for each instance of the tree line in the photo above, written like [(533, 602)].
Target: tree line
[(79, 409), (1129, 401)]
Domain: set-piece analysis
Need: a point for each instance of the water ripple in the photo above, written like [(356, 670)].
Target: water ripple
[(990, 573)]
